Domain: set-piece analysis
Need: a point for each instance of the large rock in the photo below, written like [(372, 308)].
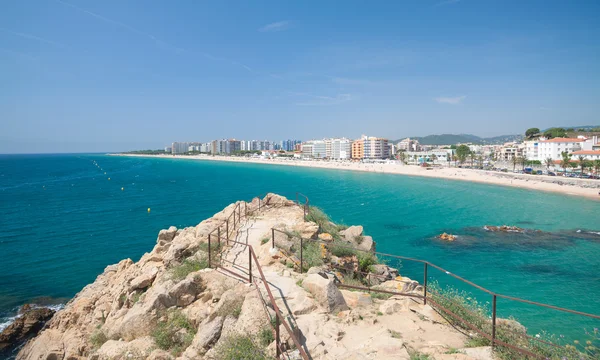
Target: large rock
[(28, 324), (276, 200), (118, 349), (382, 273), (208, 334), (144, 280), (307, 230), (167, 235), (395, 304), (356, 299), (352, 233), (366, 244), (325, 292)]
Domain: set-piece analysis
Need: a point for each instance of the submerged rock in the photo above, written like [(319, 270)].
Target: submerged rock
[(447, 237), (504, 228)]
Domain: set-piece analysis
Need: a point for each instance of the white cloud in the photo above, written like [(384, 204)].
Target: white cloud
[(324, 100), (450, 100), (276, 26)]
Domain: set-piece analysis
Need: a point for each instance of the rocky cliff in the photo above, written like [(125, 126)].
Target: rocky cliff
[(171, 304)]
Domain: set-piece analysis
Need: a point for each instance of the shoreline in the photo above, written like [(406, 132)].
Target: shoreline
[(564, 186)]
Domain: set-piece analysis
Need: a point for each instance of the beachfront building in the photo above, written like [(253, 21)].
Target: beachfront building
[(289, 145), (591, 144), (369, 147), (314, 149), (509, 151), (168, 149), (587, 154), (409, 144), (225, 146), (358, 150), (338, 149), (438, 156), (179, 147), (553, 148)]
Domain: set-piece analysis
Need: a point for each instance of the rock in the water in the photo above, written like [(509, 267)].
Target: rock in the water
[(325, 292), (28, 324)]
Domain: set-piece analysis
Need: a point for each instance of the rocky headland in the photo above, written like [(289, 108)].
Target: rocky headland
[(172, 305)]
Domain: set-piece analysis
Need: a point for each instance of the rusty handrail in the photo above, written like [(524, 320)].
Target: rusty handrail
[(252, 255)]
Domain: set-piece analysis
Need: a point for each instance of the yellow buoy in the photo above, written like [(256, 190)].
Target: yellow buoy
[(148, 209), (122, 189), (108, 179)]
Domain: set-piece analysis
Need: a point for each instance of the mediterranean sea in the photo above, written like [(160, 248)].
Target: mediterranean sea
[(62, 221)]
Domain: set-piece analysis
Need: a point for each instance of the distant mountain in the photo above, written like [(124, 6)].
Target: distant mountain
[(450, 139)]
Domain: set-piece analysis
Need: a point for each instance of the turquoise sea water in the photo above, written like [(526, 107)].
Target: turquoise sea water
[(62, 221)]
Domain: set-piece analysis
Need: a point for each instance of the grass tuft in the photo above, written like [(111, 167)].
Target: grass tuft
[(188, 266), (98, 338), (237, 347), (167, 334)]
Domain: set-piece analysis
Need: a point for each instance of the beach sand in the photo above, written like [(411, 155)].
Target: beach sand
[(567, 186)]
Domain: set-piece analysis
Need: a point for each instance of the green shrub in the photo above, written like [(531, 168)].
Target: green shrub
[(477, 341), (359, 239), (311, 255), (366, 260), (98, 338), (266, 336), (453, 351), (264, 240), (340, 248), (231, 307), (188, 266), (381, 296), (166, 336), (237, 347), (317, 216)]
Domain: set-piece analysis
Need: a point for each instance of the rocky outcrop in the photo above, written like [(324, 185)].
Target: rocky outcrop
[(166, 306), (447, 237), (30, 321), (325, 292)]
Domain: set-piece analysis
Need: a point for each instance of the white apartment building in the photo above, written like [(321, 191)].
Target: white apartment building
[(510, 150), (314, 149), (553, 148), (587, 154), (179, 147), (338, 148)]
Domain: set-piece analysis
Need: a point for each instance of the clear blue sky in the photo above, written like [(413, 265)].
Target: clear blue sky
[(83, 75)]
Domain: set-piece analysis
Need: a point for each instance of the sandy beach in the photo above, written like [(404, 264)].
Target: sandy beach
[(567, 186)]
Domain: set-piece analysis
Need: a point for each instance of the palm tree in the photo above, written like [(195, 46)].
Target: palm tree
[(549, 162), (455, 158), (402, 156), (472, 156), (523, 161), (433, 158), (515, 161), (582, 163), (597, 166), (566, 160), (480, 160)]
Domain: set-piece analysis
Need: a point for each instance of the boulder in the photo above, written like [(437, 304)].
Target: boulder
[(382, 273), (159, 354), (325, 237), (118, 349), (307, 230), (144, 280), (276, 200), (208, 334), (28, 324), (167, 235), (512, 325), (447, 237), (366, 244), (356, 299), (325, 292), (352, 233)]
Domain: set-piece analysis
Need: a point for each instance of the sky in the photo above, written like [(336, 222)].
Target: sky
[(113, 75)]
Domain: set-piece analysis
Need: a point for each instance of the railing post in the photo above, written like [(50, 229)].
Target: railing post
[(227, 228), (273, 236), (209, 259), (297, 199), (277, 340), (425, 285), (301, 255), (250, 264), (493, 320), (234, 218)]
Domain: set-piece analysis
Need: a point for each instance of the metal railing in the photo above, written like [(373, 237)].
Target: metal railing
[(432, 297), (234, 219)]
